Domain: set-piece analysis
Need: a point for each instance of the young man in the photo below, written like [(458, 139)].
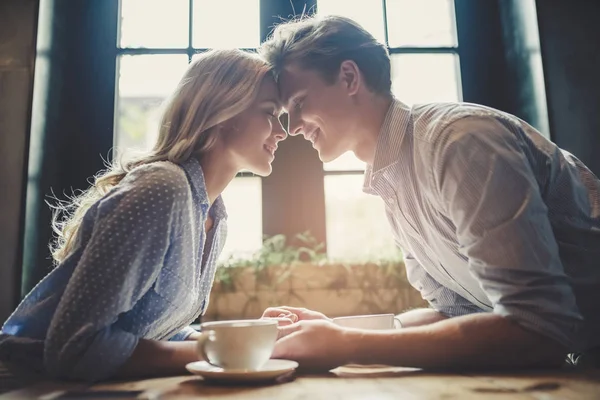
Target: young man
[(500, 228)]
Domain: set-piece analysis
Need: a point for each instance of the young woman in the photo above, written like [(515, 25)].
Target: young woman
[(137, 256)]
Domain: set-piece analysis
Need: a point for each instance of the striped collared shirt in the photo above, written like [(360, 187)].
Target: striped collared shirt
[(492, 217)]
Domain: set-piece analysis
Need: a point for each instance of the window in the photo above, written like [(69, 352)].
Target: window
[(421, 37), (157, 40)]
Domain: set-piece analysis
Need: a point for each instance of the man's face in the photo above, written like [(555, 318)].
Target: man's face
[(320, 111)]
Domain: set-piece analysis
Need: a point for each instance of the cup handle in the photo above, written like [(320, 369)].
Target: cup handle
[(397, 323), (205, 336)]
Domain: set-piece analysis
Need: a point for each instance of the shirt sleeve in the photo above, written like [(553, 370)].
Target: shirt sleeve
[(489, 191), (440, 298), (120, 263), (183, 334)]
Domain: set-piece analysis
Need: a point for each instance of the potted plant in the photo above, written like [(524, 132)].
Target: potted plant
[(299, 274)]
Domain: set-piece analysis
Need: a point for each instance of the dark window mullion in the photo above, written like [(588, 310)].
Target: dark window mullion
[(179, 50), (246, 175), (344, 172), (142, 51), (423, 50), (385, 25), (293, 195), (190, 49), (197, 50)]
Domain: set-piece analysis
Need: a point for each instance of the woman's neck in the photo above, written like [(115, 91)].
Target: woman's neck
[(218, 172)]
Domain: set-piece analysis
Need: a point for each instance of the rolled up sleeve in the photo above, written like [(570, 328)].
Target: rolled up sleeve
[(120, 263), (439, 297), (492, 197)]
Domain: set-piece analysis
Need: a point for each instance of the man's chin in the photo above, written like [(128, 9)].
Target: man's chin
[(327, 157)]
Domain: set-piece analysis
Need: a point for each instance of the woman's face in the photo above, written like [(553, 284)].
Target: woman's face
[(252, 137)]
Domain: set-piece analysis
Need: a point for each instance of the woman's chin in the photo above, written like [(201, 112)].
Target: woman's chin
[(262, 170)]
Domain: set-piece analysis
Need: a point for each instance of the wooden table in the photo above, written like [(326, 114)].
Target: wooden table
[(408, 384)]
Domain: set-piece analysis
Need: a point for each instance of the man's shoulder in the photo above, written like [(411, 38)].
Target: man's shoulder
[(433, 119)]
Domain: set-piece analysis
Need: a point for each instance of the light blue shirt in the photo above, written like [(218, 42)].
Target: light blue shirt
[(142, 267), (492, 217)]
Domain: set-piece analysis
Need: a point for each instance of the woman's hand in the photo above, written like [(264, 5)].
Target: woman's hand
[(293, 314)]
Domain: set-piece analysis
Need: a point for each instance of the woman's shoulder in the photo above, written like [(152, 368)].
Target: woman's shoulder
[(164, 173), (163, 178)]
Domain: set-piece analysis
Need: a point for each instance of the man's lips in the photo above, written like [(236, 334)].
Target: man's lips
[(270, 148), (312, 136)]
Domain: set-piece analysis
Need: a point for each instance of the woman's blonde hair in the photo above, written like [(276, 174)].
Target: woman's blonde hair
[(217, 86)]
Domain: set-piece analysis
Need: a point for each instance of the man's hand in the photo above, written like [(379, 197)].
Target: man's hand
[(316, 344), (294, 314)]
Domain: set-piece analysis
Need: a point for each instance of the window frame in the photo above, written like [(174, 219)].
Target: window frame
[(297, 181)]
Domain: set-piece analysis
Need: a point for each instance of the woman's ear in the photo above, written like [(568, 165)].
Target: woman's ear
[(229, 126)]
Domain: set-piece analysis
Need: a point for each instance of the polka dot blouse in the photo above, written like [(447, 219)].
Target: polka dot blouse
[(142, 267)]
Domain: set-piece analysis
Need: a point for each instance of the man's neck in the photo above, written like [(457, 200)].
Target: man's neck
[(369, 126)]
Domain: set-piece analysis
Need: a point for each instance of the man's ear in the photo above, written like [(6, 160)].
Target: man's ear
[(350, 76)]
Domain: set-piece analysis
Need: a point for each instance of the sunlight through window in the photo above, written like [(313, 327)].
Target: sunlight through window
[(147, 76), (356, 222)]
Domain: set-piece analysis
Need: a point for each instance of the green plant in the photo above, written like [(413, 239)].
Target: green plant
[(288, 271), (275, 251)]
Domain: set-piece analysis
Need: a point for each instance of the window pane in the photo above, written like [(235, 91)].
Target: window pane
[(226, 23), (357, 227), (144, 83), (154, 23), (425, 78), (369, 14), (428, 23), (243, 199), (346, 162)]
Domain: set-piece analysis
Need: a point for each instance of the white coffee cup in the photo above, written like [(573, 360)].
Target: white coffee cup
[(239, 345), (374, 321)]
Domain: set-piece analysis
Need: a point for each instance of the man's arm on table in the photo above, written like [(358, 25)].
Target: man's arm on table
[(419, 317), (479, 340)]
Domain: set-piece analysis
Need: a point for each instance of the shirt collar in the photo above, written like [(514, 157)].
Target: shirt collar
[(195, 175), (390, 138)]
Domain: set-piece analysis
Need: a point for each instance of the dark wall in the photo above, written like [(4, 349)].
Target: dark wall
[(500, 59), (570, 43), (18, 22), (297, 181), (72, 116), (524, 80)]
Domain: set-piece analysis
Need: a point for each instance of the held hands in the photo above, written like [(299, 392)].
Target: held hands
[(310, 337), (289, 315), (316, 344)]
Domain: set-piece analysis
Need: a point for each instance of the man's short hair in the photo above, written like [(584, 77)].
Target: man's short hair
[(323, 43)]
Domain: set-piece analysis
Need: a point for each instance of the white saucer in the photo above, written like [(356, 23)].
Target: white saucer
[(271, 370)]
